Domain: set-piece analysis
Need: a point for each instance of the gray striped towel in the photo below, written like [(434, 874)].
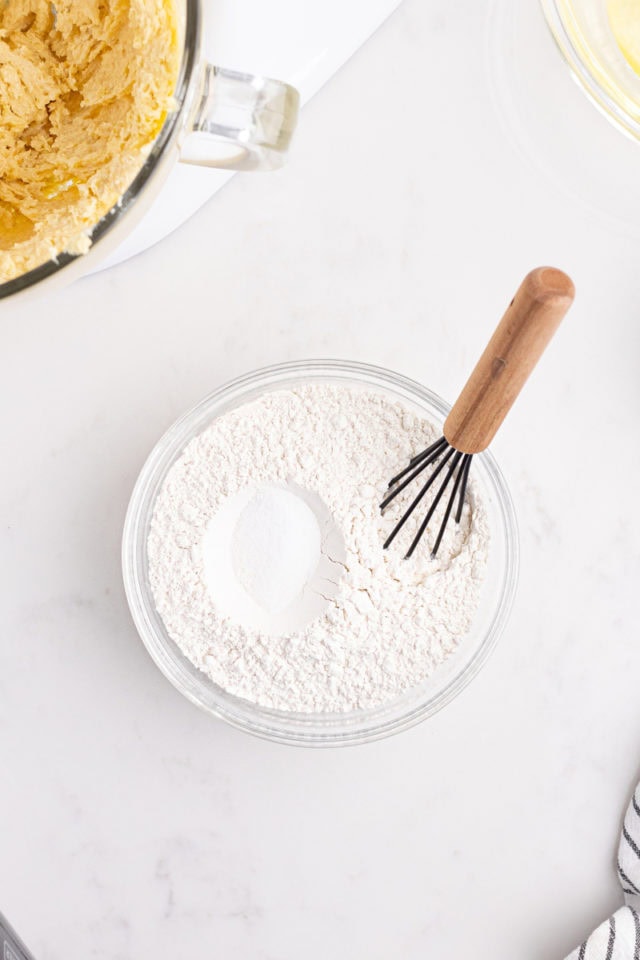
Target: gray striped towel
[(618, 938)]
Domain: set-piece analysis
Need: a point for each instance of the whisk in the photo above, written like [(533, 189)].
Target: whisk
[(519, 340)]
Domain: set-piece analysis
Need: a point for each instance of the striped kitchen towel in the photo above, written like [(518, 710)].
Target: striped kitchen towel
[(618, 938)]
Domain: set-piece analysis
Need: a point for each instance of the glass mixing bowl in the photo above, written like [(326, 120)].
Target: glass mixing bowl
[(583, 33), (319, 729)]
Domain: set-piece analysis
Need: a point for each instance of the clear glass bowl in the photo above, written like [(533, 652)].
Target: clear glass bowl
[(319, 729), (584, 36)]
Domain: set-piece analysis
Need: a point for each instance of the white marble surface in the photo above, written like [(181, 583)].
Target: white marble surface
[(134, 826)]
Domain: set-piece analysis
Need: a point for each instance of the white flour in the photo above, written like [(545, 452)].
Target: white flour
[(381, 624)]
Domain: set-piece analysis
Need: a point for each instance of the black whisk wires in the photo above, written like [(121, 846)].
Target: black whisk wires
[(458, 471)]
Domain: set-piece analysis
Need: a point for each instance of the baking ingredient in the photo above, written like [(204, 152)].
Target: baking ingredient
[(624, 17), (385, 625), (85, 87), (272, 558), (276, 547)]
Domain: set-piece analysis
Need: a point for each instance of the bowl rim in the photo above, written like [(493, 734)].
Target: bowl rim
[(275, 725)]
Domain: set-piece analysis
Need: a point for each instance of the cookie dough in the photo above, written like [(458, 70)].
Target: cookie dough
[(85, 86)]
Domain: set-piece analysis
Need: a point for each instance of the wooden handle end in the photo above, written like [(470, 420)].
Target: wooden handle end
[(547, 284)]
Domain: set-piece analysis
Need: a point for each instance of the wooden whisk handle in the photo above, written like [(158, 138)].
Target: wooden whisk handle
[(532, 318)]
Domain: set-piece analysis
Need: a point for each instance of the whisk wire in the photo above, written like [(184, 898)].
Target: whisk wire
[(416, 471), (425, 453), (425, 489), (434, 505), (463, 489), (459, 479), (459, 465), (438, 446)]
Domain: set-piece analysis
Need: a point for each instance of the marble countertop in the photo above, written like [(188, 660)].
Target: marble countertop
[(134, 826)]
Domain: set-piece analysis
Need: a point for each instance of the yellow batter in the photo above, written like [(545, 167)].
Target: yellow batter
[(624, 17), (85, 86)]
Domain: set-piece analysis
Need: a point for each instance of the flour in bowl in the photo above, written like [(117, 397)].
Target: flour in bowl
[(361, 625)]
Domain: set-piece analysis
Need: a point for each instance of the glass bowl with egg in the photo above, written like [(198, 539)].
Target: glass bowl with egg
[(600, 41), (314, 727)]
